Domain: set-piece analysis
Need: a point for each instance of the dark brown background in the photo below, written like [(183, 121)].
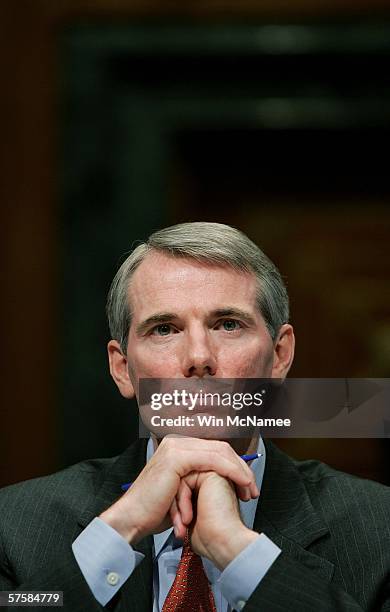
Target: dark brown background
[(317, 202)]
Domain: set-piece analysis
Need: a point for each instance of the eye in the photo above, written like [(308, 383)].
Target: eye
[(164, 329), (230, 325)]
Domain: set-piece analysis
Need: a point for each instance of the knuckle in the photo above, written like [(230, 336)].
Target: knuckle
[(170, 453), (169, 440), (224, 446)]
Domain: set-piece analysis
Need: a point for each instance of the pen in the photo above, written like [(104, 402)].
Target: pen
[(247, 458)]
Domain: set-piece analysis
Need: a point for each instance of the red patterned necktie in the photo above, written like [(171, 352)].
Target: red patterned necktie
[(190, 591)]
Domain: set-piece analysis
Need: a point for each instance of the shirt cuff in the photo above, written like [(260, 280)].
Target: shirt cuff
[(106, 560), (240, 578)]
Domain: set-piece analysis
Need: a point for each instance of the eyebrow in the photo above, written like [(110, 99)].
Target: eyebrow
[(166, 317), (237, 313), (156, 319)]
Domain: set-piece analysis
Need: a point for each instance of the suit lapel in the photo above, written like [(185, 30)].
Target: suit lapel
[(286, 515), (137, 592)]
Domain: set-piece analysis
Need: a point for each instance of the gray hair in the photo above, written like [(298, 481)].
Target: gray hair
[(210, 243)]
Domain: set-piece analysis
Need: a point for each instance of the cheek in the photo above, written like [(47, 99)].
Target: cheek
[(248, 362), (153, 364)]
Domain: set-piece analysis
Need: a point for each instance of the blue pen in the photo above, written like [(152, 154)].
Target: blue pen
[(247, 458)]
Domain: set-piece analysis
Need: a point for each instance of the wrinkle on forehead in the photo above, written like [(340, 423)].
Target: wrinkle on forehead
[(164, 276)]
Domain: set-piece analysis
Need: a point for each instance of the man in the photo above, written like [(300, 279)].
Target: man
[(200, 301)]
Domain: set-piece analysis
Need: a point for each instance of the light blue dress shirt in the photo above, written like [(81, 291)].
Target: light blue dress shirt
[(107, 560)]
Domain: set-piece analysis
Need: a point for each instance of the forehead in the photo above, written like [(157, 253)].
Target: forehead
[(165, 282)]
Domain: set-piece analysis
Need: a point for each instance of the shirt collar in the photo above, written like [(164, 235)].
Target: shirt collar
[(247, 509)]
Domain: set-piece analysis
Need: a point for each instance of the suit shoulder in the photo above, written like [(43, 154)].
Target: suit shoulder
[(83, 477), (331, 489), (316, 471)]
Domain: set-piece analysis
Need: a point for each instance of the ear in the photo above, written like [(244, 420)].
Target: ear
[(119, 369), (284, 347)]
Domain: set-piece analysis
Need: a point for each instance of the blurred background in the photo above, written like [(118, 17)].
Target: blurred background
[(120, 118)]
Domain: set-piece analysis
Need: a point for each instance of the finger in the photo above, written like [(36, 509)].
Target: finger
[(207, 455), (254, 490), (193, 480), (178, 527), (184, 455), (247, 493), (243, 493), (184, 502), (198, 444)]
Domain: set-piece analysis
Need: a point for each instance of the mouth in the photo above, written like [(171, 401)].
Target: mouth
[(206, 408)]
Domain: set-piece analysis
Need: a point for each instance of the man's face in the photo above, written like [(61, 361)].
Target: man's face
[(192, 319)]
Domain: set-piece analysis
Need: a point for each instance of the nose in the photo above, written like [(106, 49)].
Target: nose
[(199, 354)]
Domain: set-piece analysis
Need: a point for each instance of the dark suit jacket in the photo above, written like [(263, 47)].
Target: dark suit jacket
[(333, 530)]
